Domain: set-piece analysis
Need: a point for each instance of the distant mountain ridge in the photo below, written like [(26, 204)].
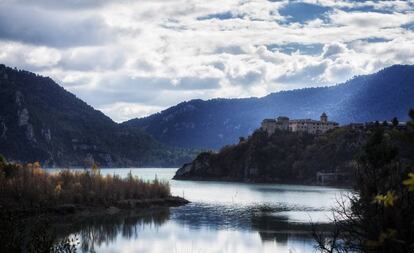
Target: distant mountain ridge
[(217, 122), (41, 121)]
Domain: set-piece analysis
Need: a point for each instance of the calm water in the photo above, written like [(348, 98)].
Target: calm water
[(222, 217)]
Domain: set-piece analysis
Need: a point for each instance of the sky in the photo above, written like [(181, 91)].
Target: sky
[(133, 58)]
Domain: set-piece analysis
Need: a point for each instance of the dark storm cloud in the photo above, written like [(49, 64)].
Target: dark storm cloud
[(39, 27)]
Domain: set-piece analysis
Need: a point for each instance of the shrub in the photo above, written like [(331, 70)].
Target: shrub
[(29, 186)]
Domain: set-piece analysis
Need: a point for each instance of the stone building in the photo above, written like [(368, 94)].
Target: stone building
[(271, 125), (299, 125)]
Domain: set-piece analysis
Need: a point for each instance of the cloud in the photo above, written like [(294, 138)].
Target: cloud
[(112, 88), (131, 58), (93, 58), (29, 57), (46, 28), (64, 4), (121, 111), (370, 19), (333, 50), (222, 16), (195, 83), (230, 50), (310, 75), (248, 78), (295, 47), (43, 57)]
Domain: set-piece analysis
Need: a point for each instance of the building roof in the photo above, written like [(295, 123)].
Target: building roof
[(310, 121), (283, 117)]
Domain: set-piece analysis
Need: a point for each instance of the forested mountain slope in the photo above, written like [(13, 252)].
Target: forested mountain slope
[(213, 123), (41, 121)]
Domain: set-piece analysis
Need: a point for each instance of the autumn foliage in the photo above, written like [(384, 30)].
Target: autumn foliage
[(29, 186)]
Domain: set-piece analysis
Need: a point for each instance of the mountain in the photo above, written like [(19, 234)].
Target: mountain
[(213, 123), (41, 121)]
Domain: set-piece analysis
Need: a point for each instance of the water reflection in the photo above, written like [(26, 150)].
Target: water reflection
[(100, 231), (89, 232), (178, 230), (223, 217)]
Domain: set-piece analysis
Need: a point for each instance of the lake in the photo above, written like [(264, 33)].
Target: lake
[(222, 217)]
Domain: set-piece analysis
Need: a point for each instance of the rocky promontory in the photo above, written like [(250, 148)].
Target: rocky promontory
[(284, 157)]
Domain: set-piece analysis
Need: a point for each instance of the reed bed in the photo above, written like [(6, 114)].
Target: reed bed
[(29, 186)]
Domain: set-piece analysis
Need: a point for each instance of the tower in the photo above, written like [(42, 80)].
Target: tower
[(283, 123), (324, 118)]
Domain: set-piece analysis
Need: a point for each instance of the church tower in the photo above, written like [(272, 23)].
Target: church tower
[(324, 118)]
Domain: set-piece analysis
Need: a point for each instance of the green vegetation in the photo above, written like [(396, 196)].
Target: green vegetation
[(41, 121), (292, 157), (380, 217), (284, 157), (29, 187)]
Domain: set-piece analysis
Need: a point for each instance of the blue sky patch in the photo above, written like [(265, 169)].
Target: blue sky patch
[(409, 26), (298, 12), (366, 8), (221, 16), (376, 40), (289, 48)]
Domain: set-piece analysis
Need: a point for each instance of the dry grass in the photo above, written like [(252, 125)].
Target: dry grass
[(30, 186)]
